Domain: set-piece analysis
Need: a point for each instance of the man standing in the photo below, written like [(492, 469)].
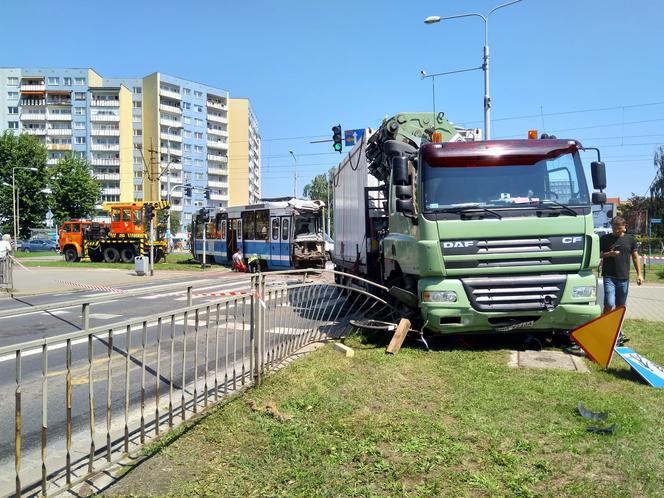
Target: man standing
[(615, 250)]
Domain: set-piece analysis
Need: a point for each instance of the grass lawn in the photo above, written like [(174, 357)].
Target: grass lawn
[(173, 262), (439, 423), (21, 254)]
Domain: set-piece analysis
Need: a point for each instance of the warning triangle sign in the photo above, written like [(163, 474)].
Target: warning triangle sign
[(598, 337)]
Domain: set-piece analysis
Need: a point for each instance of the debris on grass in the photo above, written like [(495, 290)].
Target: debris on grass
[(270, 409)]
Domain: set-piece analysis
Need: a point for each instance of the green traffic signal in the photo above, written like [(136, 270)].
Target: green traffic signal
[(336, 138), (337, 147)]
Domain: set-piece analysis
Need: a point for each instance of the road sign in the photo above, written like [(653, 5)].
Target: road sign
[(351, 137), (655, 221), (652, 373), (598, 337)]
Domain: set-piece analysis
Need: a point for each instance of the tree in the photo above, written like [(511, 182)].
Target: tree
[(634, 211), (320, 189), (162, 216), (74, 191), (657, 191), (22, 151)]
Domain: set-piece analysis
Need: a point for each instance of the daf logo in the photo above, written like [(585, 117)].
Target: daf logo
[(458, 243), (571, 240)]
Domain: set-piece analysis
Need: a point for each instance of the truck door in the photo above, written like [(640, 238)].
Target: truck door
[(285, 245)]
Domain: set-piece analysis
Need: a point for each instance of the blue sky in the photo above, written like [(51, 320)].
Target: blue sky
[(585, 69)]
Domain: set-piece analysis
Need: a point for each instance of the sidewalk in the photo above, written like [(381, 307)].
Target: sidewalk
[(646, 302)]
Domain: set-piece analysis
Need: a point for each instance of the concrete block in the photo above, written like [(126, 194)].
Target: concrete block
[(342, 348)]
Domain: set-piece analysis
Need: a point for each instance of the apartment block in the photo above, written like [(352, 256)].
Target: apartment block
[(145, 137)]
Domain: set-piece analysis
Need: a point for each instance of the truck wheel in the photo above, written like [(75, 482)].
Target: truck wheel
[(71, 255), (111, 255), (127, 254), (95, 256)]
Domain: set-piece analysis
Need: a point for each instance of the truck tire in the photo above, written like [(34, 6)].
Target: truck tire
[(95, 255), (71, 256), (127, 254), (111, 254)]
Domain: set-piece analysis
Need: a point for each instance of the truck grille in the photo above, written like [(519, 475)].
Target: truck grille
[(518, 252), (514, 293)]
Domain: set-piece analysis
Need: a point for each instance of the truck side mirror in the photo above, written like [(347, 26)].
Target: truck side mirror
[(598, 172), (399, 170), (599, 198)]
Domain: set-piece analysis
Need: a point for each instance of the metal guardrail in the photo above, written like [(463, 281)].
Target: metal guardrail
[(6, 272), (145, 376)]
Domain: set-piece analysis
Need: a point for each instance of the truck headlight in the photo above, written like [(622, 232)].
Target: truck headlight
[(584, 291), (439, 297)]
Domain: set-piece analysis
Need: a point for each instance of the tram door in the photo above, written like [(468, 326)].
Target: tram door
[(285, 244), (275, 241), (231, 241)]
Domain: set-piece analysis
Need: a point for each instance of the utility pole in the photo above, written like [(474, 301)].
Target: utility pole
[(294, 174), (153, 176), (329, 207)]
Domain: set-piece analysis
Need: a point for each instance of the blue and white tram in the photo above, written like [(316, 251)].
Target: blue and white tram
[(285, 234)]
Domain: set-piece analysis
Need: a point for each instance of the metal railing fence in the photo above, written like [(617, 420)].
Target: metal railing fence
[(85, 399), (6, 272)]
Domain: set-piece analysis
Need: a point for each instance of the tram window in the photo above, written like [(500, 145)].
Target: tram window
[(275, 229), (262, 221), (223, 229), (239, 229), (115, 215), (210, 231), (248, 222), (284, 229)]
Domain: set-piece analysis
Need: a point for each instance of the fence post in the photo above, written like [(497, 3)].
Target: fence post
[(85, 316), (254, 325), (189, 296)]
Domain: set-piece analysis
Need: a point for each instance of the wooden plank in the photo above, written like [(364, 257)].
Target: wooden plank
[(342, 348), (399, 336)]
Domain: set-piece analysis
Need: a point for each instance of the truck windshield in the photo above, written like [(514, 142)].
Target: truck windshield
[(550, 181)]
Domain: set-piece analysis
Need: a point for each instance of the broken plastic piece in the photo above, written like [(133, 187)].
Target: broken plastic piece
[(602, 430), (585, 413)]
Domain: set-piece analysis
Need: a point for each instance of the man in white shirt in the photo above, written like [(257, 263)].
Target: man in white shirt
[(5, 246)]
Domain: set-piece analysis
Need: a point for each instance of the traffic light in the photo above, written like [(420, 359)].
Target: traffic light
[(149, 214), (336, 138), (187, 190), (207, 194), (203, 215)]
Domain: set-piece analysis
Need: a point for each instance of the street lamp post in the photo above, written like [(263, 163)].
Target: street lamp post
[(485, 64), (15, 201), (294, 174)]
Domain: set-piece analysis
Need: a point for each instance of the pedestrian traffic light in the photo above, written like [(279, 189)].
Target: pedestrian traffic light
[(187, 190), (149, 214), (336, 138), (203, 215), (207, 194)]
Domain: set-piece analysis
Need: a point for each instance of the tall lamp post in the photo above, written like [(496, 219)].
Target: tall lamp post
[(485, 65), (15, 201), (294, 174)]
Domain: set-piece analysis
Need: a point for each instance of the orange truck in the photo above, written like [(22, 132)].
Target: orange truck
[(127, 235)]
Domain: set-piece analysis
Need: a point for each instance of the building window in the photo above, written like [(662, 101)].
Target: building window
[(186, 147), (79, 95), (137, 90), (138, 133), (53, 80), (198, 135), (12, 125), (186, 91), (79, 111), (80, 140), (12, 80), (199, 108), (79, 81), (198, 163), (137, 104), (79, 125), (12, 95), (198, 148), (198, 94), (198, 122), (186, 105), (12, 110), (66, 81), (185, 119), (187, 133)]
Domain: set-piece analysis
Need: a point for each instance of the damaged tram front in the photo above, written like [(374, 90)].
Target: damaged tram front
[(283, 233)]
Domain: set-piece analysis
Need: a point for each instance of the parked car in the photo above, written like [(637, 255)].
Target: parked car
[(39, 245)]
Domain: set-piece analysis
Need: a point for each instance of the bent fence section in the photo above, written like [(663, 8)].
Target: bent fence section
[(86, 399)]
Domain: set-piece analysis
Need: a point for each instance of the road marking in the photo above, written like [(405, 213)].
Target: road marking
[(104, 316)]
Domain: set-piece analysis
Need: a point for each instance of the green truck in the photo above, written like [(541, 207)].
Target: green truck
[(475, 236)]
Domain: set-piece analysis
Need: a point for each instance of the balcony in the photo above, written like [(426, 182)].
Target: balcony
[(173, 166), (34, 131), (175, 180), (53, 161), (105, 161), (176, 207), (32, 102), (105, 103), (219, 133), (171, 94), (169, 121), (218, 197), (175, 193), (33, 116), (58, 146), (31, 87), (58, 102), (106, 147), (59, 132), (172, 151), (110, 191), (107, 176), (170, 108), (114, 132), (214, 184), (217, 144), (217, 157), (217, 118), (105, 117), (171, 137), (214, 104), (217, 171), (53, 116)]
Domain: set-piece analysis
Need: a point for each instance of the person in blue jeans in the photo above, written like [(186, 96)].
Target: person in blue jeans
[(615, 249)]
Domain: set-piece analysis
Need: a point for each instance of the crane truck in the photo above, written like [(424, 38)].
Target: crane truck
[(471, 236), (127, 235)]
